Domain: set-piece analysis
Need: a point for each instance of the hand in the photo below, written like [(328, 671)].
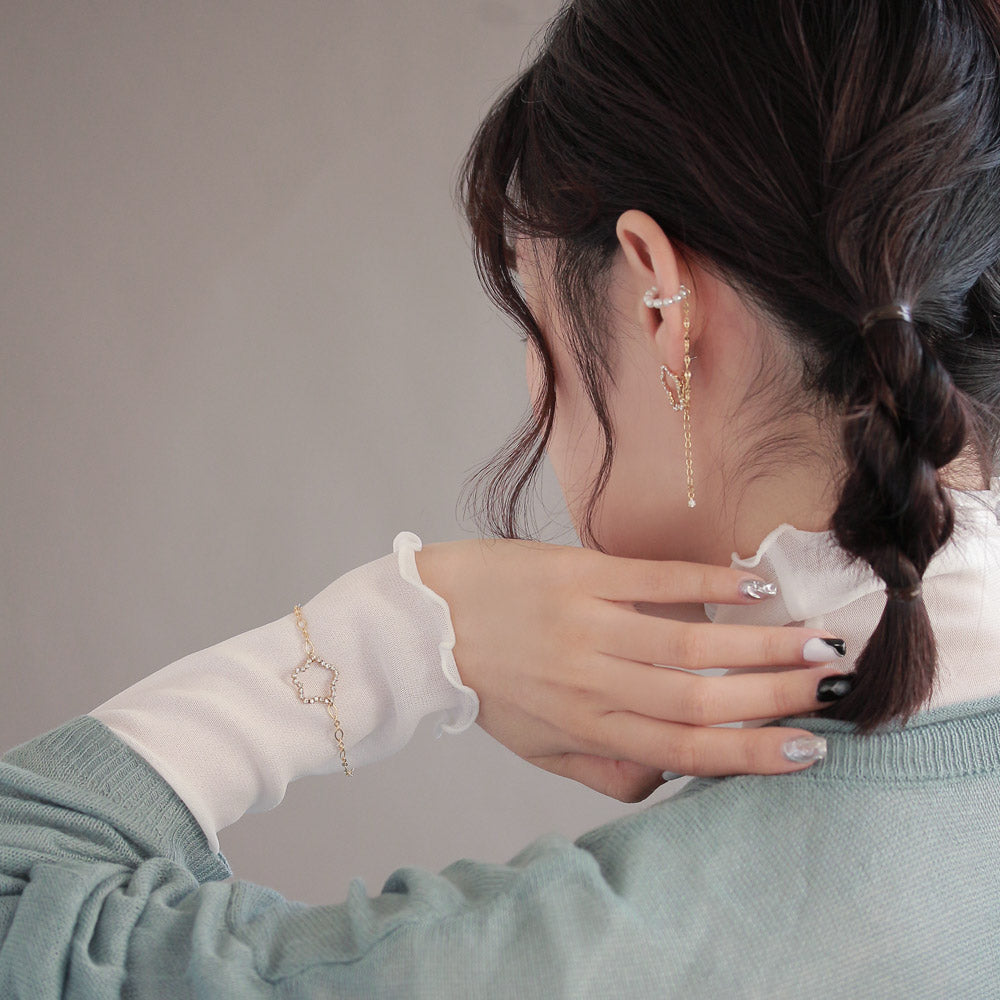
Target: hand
[(549, 638)]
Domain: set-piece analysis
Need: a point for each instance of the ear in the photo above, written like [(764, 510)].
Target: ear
[(650, 262)]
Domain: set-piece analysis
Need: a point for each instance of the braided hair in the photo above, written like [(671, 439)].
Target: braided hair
[(824, 159), (904, 421)]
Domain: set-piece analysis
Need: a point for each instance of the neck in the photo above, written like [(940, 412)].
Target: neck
[(805, 497), (806, 502)]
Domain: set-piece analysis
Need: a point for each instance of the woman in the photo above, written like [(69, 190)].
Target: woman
[(774, 225)]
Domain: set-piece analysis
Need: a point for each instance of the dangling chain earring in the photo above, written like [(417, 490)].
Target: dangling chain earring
[(680, 395)]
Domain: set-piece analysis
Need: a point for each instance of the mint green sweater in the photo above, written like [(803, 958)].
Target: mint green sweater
[(872, 874)]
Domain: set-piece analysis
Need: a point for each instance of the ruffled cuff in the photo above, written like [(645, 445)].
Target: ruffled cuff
[(463, 715)]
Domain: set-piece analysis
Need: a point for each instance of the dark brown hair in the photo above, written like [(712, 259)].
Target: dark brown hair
[(823, 157)]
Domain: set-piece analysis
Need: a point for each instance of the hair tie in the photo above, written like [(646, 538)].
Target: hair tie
[(896, 310), (904, 593)]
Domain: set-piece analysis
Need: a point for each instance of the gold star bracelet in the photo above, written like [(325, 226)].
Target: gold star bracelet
[(328, 700)]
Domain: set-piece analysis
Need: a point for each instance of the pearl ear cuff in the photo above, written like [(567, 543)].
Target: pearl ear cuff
[(651, 300)]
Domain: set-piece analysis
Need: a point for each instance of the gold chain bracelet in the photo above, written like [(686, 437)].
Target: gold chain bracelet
[(328, 700)]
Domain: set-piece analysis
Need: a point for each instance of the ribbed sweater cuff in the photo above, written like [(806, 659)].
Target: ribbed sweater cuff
[(99, 774)]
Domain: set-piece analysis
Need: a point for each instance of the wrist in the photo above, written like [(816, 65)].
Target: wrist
[(434, 567)]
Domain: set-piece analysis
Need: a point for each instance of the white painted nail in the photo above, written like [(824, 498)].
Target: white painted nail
[(670, 775), (805, 748), (818, 650)]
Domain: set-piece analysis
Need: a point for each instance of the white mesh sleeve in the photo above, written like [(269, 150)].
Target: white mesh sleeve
[(225, 727)]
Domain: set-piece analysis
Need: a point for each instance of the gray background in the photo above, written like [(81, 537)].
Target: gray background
[(243, 345)]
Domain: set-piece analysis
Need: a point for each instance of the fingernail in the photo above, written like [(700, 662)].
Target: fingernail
[(834, 688), (670, 775), (805, 748), (824, 650), (757, 590)]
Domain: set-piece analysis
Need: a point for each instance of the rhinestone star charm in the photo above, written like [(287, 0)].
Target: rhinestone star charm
[(334, 674)]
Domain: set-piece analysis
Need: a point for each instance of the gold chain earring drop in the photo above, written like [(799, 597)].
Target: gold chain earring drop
[(680, 393)]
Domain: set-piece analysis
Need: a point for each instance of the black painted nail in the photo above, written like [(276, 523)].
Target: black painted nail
[(834, 688)]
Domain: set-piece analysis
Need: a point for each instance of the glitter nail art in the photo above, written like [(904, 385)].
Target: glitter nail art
[(805, 748), (757, 590)]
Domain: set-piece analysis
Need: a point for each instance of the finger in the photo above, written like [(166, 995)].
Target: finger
[(619, 779), (617, 578), (631, 635), (676, 696), (705, 751)]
